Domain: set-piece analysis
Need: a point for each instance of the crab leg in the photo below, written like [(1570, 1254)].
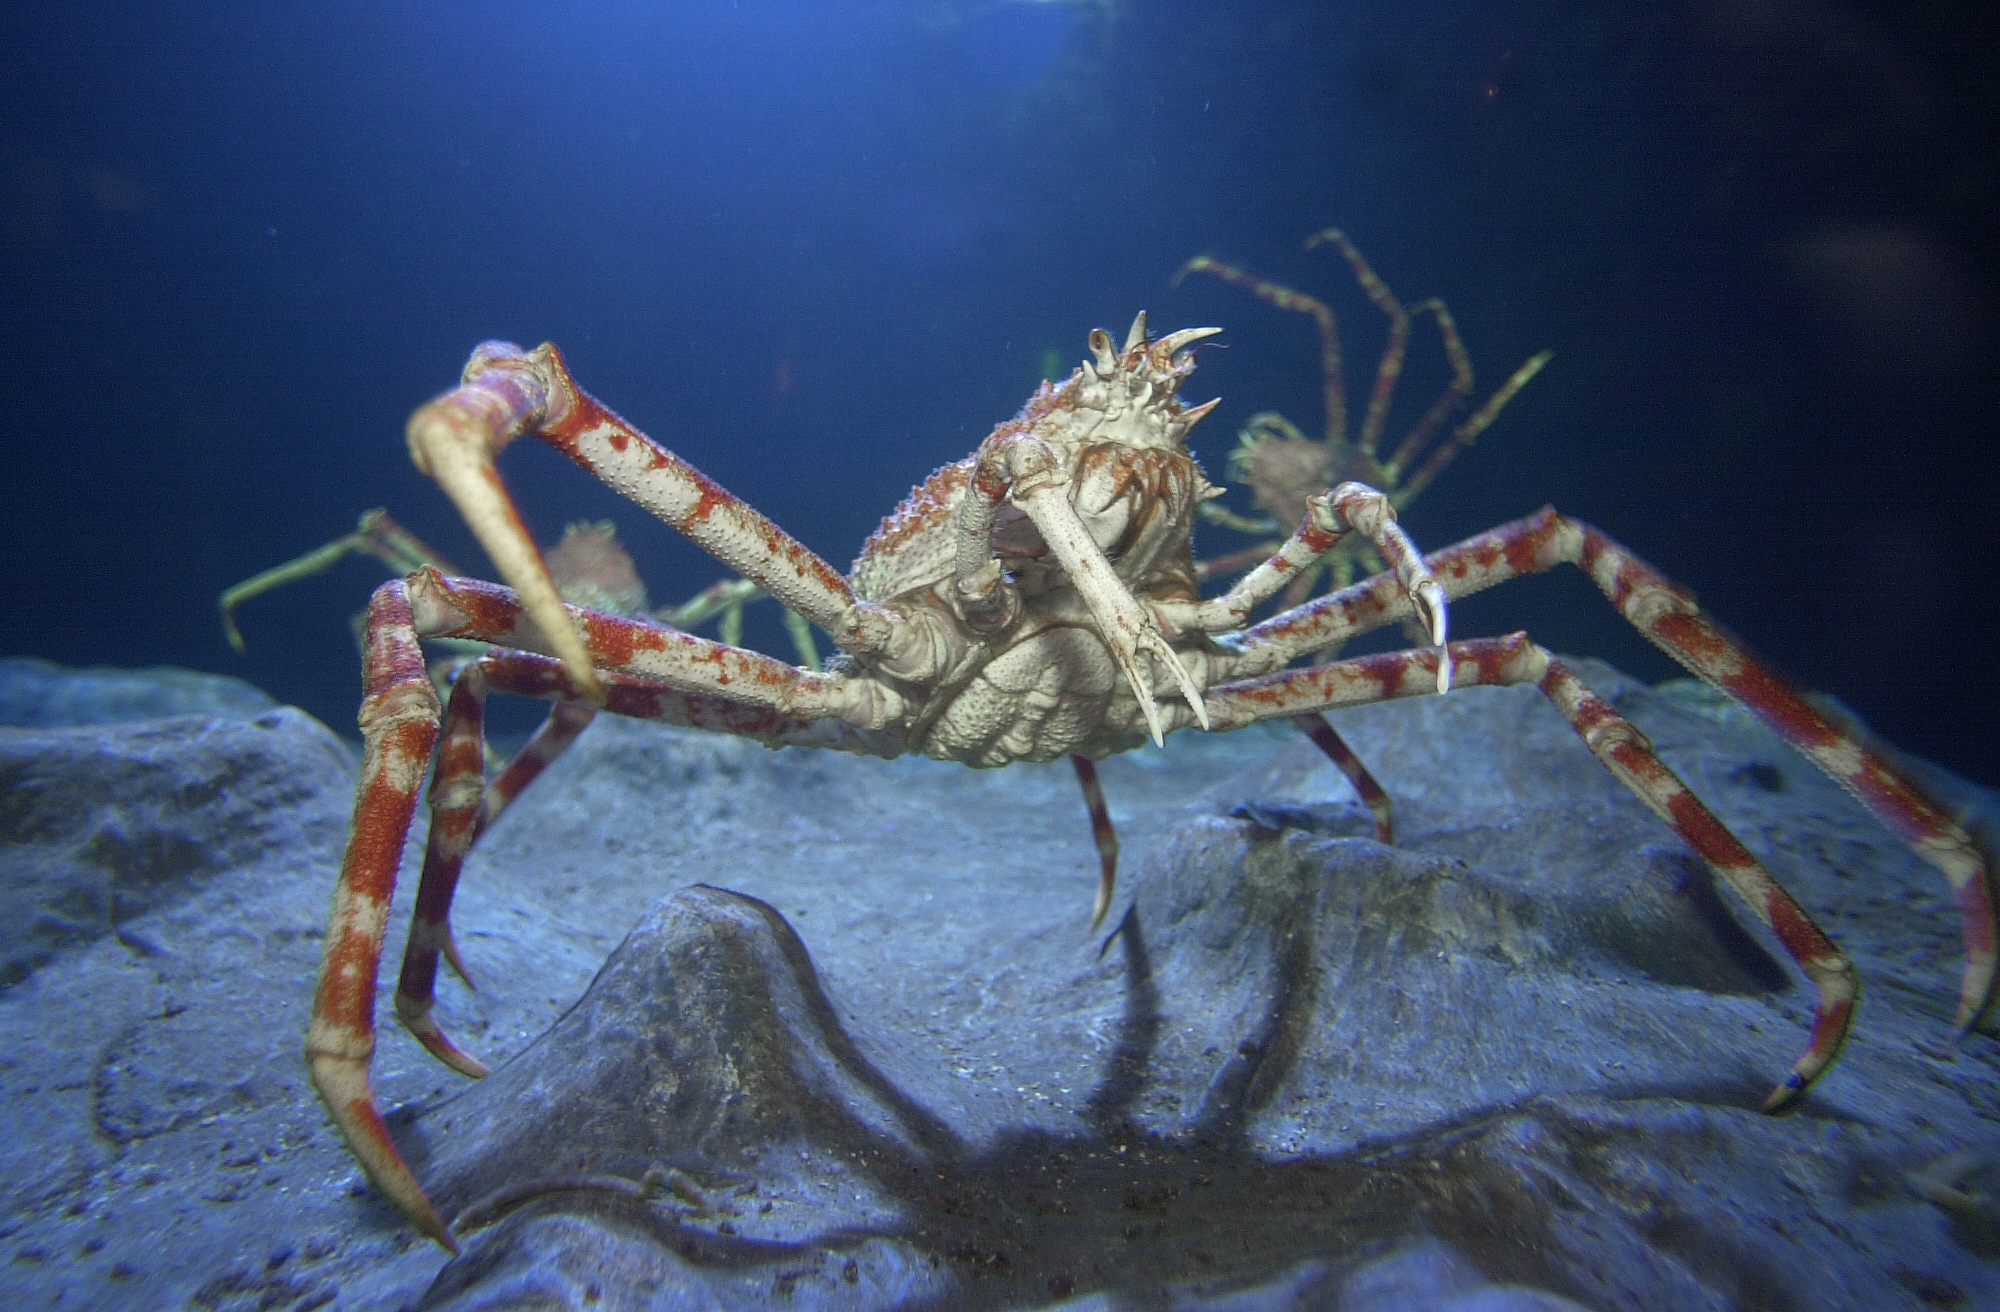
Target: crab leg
[(458, 785), (1314, 726), (467, 608), (1626, 753), (1391, 367), (462, 806), (1453, 396), (1670, 618), (375, 535), (1330, 516), (550, 740), (1465, 434), (1287, 299), (1102, 831), (399, 726), (508, 393)]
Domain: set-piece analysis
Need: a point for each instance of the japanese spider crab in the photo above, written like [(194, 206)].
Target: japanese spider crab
[(1021, 604), (1282, 466)]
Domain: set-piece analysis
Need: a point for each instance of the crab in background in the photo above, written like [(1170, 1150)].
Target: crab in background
[(1282, 467)]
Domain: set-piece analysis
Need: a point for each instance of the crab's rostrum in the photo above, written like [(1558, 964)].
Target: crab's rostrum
[(1032, 601)]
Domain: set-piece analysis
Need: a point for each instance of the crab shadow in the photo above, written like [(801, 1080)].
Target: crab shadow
[(709, 1045)]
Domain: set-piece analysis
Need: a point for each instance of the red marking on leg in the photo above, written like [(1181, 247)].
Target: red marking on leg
[(1975, 913), (1802, 939), (618, 641), (1344, 759), (1747, 679), (712, 497), (1693, 821), (1829, 1034)]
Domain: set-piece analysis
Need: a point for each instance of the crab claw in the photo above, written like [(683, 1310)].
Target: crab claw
[(1127, 625), (455, 439), (1367, 511), (1429, 600)]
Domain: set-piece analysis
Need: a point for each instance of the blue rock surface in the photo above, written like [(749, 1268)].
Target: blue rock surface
[(860, 1051)]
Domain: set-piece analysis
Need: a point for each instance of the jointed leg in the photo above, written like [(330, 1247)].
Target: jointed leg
[(1287, 299), (1330, 517), (458, 787), (375, 535), (1391, 367), (1670, 618), (1372, 794), (508, 393), (400, 727), (1464, 435), (1102, 832), (1625, 752)]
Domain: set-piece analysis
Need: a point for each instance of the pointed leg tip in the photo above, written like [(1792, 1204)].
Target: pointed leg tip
[(1785, 1094), (342, 1083), (439, 1235)]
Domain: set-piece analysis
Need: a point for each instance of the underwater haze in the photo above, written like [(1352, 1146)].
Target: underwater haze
[(819, 249)]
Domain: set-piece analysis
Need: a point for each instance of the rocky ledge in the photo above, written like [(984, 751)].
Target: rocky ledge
[(861, 1051)]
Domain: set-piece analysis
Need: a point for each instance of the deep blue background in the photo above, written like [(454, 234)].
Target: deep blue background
[(820, 248)]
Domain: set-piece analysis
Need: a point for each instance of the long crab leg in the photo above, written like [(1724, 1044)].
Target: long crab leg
[(1464, 435), (1287, 299), (399, 726), (1391, 367), (458, 785), (463, 804), (1314, 726), (1453, 396), (1102, 832), (550, 740), (1626, 753), (1670, 618), (467, 608), (374, 535), (508, 393)]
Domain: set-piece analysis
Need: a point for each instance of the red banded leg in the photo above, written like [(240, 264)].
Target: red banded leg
[(1315, 727), (457, 788), (1669, 617), (399, 726), (1102, 831), (549, 741), (1624, 751)]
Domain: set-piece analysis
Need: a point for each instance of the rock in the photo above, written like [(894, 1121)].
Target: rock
[(39, 694), (101, 824), (860, 1052)]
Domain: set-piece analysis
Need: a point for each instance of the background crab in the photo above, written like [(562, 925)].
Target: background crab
[(1282, 466)]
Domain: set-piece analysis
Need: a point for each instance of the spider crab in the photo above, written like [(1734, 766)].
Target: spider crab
[(1022, 604)]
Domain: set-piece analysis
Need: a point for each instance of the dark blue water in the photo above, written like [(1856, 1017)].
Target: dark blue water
[(819, 249)]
